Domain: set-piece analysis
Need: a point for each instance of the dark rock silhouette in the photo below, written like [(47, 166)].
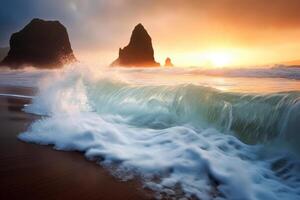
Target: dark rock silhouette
[(42, 44), (168, 62), (139, 52), (3, 52)]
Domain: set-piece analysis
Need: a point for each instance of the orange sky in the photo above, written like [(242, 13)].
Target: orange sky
[(191, 32), (250, 32)]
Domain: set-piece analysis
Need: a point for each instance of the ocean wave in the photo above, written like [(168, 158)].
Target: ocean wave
[(31, 77), (279, 71), (174, 161), (254, 118), (181, 140), (276, 71)]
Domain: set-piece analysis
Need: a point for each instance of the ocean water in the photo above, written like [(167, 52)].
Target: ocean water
[(195, 133)]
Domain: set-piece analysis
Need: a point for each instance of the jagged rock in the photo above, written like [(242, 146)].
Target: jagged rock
[(42, 44), (168, 62), (139, 52)]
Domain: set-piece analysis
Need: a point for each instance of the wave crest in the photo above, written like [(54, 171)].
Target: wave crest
[(174, 136)]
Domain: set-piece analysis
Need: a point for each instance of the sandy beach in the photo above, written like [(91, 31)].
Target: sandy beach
[(30, 171)]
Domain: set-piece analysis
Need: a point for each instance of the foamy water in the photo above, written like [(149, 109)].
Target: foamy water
[(184, 132)]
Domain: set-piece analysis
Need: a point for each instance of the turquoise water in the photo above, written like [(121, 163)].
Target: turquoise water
[(210, 134)]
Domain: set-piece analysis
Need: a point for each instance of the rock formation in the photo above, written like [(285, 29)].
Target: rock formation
[(139, 52), (3, 52), (42, 44), (168, 62)]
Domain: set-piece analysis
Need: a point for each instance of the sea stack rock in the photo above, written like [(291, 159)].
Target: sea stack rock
[(42, 44), (168, 62), (139, 52)]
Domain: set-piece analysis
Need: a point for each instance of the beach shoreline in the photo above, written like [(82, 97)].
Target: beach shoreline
[(31, 171)]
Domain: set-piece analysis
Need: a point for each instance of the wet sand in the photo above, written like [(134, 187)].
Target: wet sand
[(30, 171)]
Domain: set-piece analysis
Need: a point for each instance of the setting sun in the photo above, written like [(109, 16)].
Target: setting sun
[(219, 59)]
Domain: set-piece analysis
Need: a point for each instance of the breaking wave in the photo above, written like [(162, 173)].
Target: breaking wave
[(180, 139)]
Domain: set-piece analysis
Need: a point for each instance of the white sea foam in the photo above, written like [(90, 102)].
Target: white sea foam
[(177, 138), (202, 162)]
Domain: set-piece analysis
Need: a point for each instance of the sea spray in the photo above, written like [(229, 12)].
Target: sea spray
[(211, 144)]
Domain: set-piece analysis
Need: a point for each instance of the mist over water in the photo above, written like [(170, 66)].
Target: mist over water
[(210, 134)]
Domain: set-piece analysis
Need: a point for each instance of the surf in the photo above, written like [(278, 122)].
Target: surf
[(182, 139)]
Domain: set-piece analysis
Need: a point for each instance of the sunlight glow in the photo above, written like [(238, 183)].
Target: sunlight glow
[(210, 58), (219, 59)]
